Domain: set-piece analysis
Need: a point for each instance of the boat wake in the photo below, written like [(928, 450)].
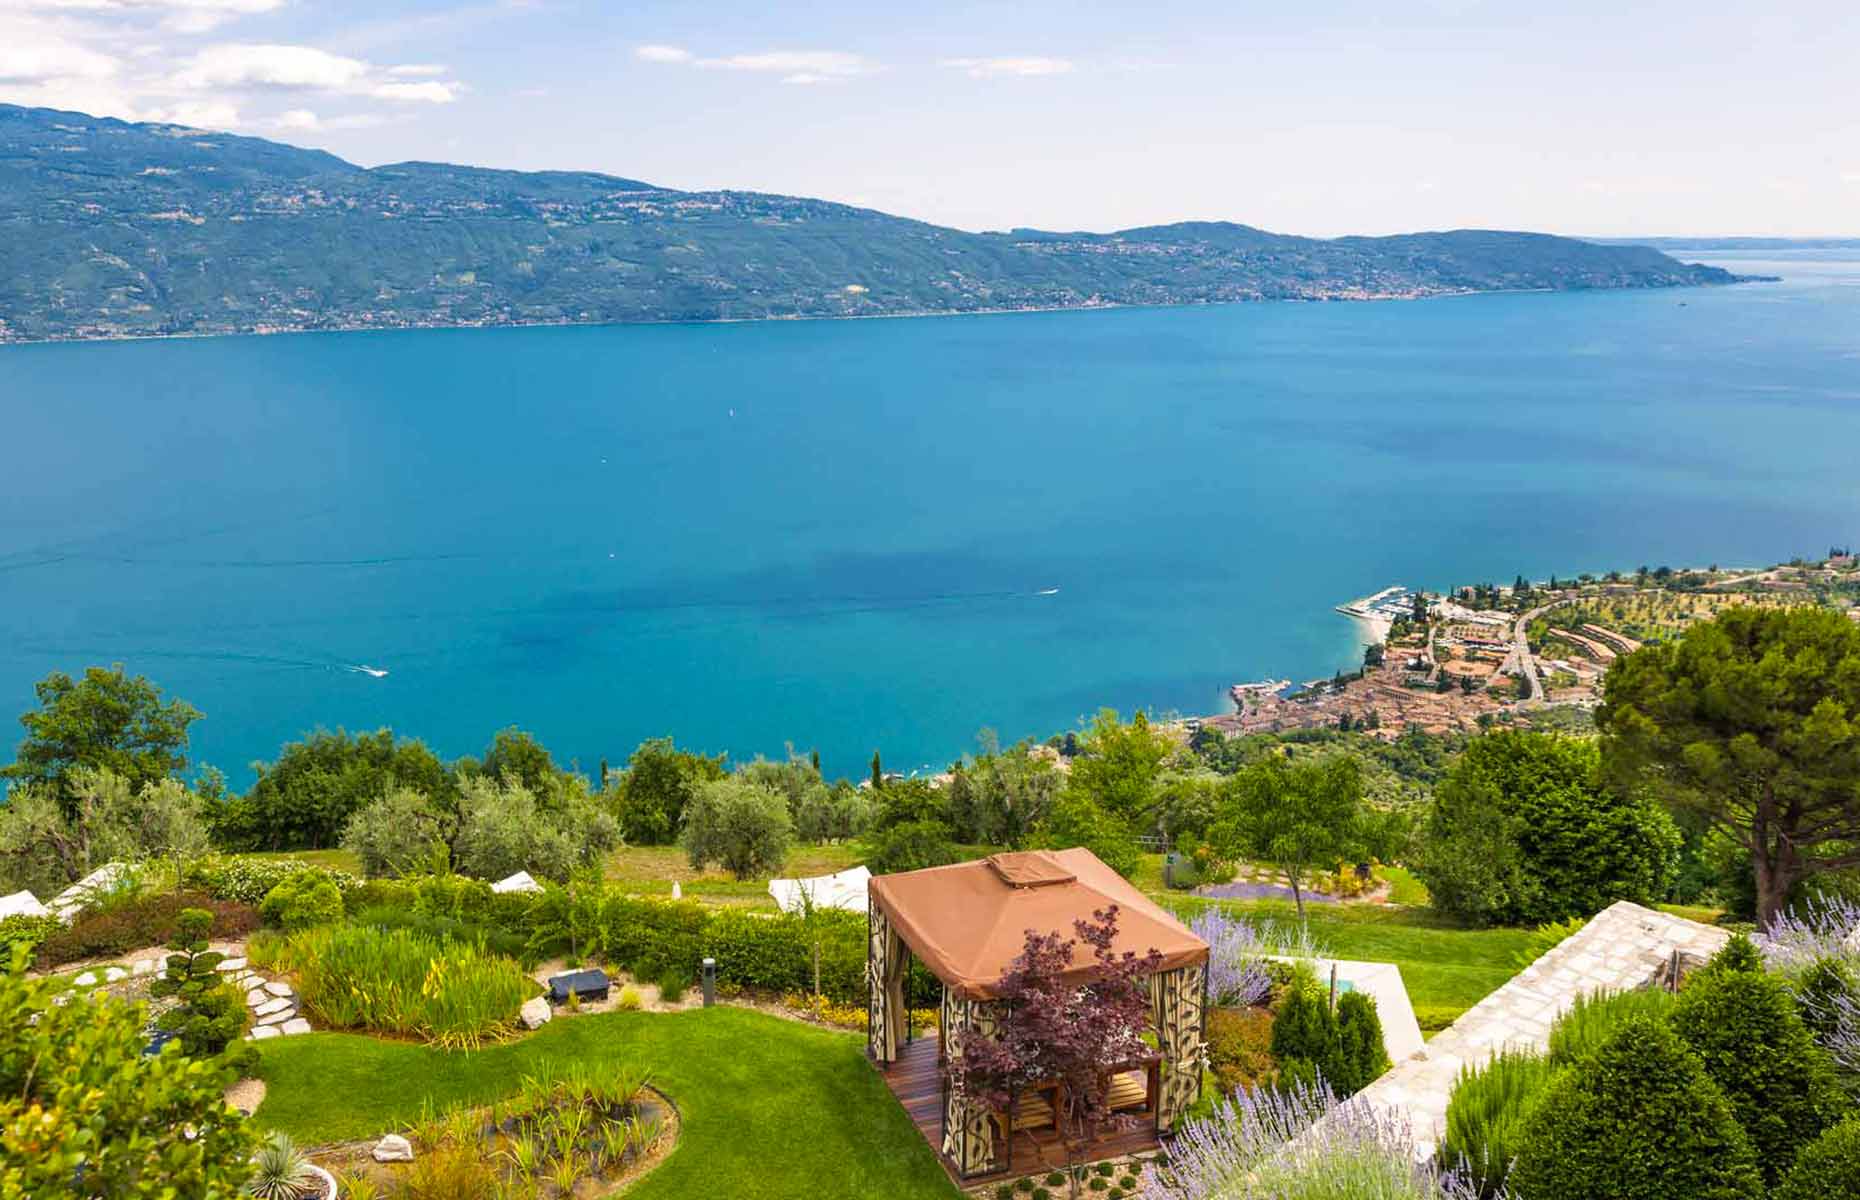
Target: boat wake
[(365, 669), (1047, 592)]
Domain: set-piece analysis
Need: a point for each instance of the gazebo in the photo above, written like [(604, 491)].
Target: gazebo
[(966, 924)]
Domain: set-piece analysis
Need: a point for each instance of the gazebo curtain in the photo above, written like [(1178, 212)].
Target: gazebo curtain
[(1178, 1002), (884, 986), (968, 1135)]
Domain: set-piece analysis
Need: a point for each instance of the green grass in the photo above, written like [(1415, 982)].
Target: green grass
[(772, 1109), (1404, 888), (335, 859), (650, 870), (1447, 969)]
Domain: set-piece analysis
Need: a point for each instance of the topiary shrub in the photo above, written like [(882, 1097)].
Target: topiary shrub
[(1361, 1056), (304, 900), (1828, 1168), (1485, 1116), (209, 1014), (1738, 954), (1636, 1119), (1826, 989), (1744, 1027), (1304, 1035)]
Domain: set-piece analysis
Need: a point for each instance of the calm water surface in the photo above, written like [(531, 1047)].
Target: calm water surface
[(850, 535)]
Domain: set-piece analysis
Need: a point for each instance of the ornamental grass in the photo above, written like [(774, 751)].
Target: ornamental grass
[(455, 995)]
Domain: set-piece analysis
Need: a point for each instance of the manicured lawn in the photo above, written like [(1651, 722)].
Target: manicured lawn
[(1447, 969), (772, 1109), (336, 859), (650, 870)]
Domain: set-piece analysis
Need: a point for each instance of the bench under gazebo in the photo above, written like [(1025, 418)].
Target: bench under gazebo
[(966, 924)]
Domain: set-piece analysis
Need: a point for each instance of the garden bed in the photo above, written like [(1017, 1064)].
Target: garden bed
[(468, 1150)]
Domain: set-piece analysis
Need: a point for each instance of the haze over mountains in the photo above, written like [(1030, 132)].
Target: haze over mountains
[(111, 229)]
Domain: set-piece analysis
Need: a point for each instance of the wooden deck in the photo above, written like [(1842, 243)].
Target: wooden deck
[(917, 1081)]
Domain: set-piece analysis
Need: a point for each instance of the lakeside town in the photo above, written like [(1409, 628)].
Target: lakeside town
[(1530, 653)]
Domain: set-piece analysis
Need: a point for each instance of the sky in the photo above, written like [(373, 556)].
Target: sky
[(1324, 117)]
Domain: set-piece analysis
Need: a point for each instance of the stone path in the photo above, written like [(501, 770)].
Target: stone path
[(1622, 948), (273, 1003)]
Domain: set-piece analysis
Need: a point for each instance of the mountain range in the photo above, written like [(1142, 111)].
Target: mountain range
[(117, 229)]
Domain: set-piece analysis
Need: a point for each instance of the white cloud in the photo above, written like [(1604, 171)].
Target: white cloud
[(416, 70), (296, 118), (239, 65), (661, 54), (995, 68), (38, 59), (431, 91), (794, 66), (820, 63)]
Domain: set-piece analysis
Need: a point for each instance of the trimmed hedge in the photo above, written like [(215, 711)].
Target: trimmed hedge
[(1744, 1027), (1637, 1119), (1828, 1167), (139, 923), (249, 880), (304, 900)]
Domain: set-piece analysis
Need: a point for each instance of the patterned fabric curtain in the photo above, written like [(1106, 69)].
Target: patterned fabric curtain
[(884, 987), (1177, 1002), (968, 1135)]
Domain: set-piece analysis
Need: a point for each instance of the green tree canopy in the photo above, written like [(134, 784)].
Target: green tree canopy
[(1299, 816), (1523, 832), (660, 781), (514, 754), (1750, 722), (1119, 764), (304, 800), (108, 720), (740, 824)]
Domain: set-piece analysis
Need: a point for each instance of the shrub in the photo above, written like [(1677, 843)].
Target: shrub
[(1638, 1119), (1595, 1017), (80, 1101), (396, 981), (1827, 989), (672, 983), (1342, 1048), (741, 825), (1240, 1048), (305, 899), (280, 1171), (911, 846), (1743, 1026), (1523, 832), (1486, 1115), (149, 920), (248, 879), (1828, 1168), (1237, 971), (660, 780), (210, 1014), (1361, 1056), (394, 835), (26, 931)]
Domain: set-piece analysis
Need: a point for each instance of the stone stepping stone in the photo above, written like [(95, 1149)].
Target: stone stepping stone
[(144, 966), (230, 965), (276, 1018), (278, 987), (291, 1028), (263, 1032), (255, 997), (112, 974), (85, 980), (272, 1006)]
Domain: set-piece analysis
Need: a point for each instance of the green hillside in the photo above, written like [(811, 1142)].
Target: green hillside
[(114, 229)]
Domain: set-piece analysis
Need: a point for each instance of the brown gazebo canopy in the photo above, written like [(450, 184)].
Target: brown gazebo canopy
[(968, 922)]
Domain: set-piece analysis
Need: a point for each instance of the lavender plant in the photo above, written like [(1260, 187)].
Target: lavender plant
[(1237, 953), (1822, 928), (1300, 1144)]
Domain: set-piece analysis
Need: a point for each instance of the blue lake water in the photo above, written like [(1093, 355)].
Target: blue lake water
[(879, 534)]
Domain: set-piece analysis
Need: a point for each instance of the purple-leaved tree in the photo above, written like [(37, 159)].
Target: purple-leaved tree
[(1051, 1030)]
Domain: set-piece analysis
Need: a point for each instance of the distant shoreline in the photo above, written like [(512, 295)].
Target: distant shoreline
[(1459, 294)]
